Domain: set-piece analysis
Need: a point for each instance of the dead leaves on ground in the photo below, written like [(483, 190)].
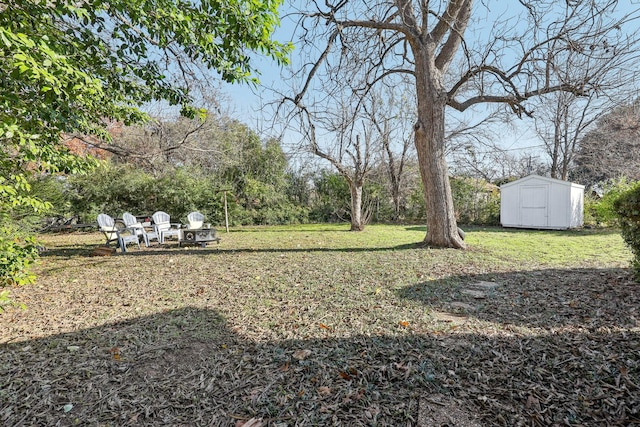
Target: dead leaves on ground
[(253, 422), (546, 348)]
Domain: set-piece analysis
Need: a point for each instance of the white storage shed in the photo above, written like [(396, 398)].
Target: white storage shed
[(540, 202)]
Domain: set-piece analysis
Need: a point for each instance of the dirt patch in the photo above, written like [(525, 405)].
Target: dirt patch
[(443, 411)]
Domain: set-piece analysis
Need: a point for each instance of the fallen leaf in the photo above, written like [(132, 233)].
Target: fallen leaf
[(253, 422), (323, 326), (533, 403), (324, 391), (624, 371), (403, 323), (345, 376), (115, 352), (301, 354)]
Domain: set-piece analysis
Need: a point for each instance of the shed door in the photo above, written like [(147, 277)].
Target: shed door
[(533, 205)]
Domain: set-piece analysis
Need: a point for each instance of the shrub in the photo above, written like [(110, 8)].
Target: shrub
[(332, 202), (599, 210), (19, 251), (18, 248), (627, 207), (111, 189), (115, 189), (416, 209), (476, 201)]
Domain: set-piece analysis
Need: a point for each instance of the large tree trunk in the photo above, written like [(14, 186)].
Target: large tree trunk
[(442, 229), (357, 223)]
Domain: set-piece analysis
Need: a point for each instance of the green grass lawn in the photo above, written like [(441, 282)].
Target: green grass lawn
[(316, 325)]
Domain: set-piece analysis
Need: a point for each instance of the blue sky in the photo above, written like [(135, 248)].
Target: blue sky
[(247, 102)]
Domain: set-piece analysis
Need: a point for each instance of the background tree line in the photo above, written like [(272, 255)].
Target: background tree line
[(180, 165)]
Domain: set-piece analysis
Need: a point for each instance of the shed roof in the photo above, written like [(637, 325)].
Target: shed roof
[(543, 178)]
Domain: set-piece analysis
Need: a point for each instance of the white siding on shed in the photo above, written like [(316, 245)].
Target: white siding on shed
[(540, 202)]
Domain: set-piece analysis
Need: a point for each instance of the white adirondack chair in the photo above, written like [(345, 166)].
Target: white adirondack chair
[(122, 236), (163, 226), (132, 223), (196, 220)]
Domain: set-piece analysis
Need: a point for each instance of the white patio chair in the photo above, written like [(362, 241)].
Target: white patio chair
[(122, 236), (163, 226), (196, 220), (132, 223)]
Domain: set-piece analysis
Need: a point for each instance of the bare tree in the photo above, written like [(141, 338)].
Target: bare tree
[(392, 113), (562, 121), (167, 139), (563, 118), (346, 145), (372, 42), (395, 165)]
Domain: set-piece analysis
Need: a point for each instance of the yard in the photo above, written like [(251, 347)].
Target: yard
[(315, 325)]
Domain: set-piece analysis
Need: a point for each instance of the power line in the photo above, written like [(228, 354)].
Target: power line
[(510, 149)]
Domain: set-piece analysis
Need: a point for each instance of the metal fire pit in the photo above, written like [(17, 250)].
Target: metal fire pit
[(197, 236)]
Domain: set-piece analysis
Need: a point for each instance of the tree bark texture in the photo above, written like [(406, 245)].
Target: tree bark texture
[(357, 223), (442, 229)]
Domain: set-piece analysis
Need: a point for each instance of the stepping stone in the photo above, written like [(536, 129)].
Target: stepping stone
[(474, 293), (461, 305), (488, 286), (479, 290), (449, 318)]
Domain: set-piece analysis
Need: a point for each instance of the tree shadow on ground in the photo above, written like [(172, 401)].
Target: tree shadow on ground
[(553, 298), (498, 229), (189, 367), (162, 250), (306, 228)]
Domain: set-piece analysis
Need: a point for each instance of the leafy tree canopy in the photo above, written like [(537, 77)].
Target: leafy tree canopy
[(66, 68), (70, 67)]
